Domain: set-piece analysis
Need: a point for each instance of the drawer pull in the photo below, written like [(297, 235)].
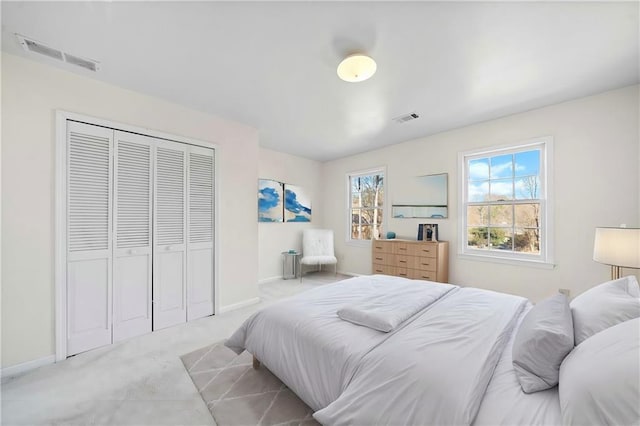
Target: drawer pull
[(378, 258), (378, 270), (403, 275), (403, 261), (402, 248), (424, 264)]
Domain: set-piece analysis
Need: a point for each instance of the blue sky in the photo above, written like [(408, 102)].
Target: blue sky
[(501, 171)]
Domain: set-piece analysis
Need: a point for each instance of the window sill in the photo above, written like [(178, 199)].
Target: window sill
[(507, 261), (358, 243)]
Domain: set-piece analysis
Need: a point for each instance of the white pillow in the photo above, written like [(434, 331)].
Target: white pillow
[(604, 306), (600, 379), (544, 338)]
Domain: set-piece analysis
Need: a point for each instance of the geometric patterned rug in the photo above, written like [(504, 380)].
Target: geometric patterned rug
[(238, 394)]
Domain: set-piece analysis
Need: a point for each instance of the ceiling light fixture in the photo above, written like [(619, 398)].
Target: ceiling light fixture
[(356, 68)]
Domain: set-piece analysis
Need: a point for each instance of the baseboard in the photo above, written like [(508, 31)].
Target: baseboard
[(239, 305), (350, 274), (14, 370), (267, 280)]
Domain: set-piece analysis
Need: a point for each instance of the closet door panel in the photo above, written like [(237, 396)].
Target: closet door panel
[(134, 279), (89, 226), (169, 252), (88, 310), (168, 284), (200, 247), (132, 232)]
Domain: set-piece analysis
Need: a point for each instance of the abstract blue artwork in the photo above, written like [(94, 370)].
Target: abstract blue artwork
[(297, 205), (269, 201)]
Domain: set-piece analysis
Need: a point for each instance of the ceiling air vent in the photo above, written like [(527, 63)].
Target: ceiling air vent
[(406, 117), (84, 63), (31, 45)]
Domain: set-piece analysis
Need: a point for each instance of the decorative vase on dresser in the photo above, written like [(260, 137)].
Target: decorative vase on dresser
[(422, 260)]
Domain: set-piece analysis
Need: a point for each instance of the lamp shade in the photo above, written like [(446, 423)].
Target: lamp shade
[(356, 68), (617, 247)]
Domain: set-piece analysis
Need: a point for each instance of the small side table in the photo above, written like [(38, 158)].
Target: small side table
[(290, 264)]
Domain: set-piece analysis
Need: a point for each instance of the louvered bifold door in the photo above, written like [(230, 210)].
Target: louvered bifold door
[(200, 229), (169, 241), (132, 266), (89, 224)]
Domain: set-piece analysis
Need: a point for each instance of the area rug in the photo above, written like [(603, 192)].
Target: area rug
[(238, 394)]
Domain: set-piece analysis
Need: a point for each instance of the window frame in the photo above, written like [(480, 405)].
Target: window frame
[(385, 211), (546, 257)]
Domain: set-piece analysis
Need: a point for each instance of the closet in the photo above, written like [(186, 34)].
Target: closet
[(139, 234)]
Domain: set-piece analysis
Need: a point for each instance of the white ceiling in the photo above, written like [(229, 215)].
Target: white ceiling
[(273, 65)]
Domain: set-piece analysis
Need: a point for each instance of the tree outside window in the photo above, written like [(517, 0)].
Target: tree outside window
[(366, 201)]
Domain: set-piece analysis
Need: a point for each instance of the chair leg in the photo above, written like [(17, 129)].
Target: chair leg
[(335, 273), (301, 272)]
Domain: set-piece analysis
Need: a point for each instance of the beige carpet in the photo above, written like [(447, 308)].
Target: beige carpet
[(237, 394)]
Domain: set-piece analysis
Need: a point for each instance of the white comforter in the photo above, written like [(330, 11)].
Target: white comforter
[(432, 369), (436, 369), (303, 342)]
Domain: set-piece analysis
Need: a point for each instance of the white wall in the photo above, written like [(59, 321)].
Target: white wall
[(274, 238), (596, 184), (31, 93)]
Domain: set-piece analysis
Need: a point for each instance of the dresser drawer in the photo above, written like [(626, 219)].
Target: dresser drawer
[(425, 263), (404, 261), (384, 269), (425, 250), (417, 274), (383, 258), (403, 272), (381, 247), (402, 248)]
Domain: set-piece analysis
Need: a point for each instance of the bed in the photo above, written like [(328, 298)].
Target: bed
[(448, 362)]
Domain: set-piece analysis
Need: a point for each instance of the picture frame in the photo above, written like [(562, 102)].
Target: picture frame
[(428, 232)]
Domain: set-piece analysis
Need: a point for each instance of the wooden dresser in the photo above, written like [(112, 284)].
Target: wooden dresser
[(422, 260)]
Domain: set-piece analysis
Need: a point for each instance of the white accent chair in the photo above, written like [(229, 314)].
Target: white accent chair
[(317, 249)]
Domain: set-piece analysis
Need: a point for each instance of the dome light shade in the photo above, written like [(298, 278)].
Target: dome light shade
[(356, 68)]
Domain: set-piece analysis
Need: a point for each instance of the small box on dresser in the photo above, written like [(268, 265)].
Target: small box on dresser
[(422, 260)]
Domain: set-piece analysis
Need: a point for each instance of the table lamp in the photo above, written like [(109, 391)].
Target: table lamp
[(618, 247)]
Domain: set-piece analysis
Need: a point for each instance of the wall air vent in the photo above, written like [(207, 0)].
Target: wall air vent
[(406, 117), (33, 46)]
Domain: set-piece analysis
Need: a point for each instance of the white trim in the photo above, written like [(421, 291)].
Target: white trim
[(351, 274), (270, 279), (216, 230), (385, 208), (60, 212), (506, 261), (546, 258), (133, 129), (239, 305), (60, 237), (23, 367)]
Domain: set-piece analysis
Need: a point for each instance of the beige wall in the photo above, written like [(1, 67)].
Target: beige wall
[(274, 238), (596, 184), (31, 93)]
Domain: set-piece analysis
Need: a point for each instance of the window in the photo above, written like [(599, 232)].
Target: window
[(505, 202), (366, 205)]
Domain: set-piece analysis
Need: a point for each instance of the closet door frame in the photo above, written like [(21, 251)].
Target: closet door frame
[(60, 211)]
